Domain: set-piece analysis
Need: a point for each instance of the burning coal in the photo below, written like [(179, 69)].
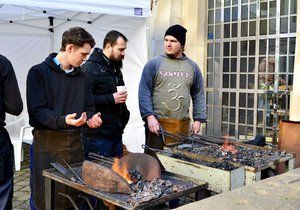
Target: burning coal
[(227, 147), (242, 155), (143, 174), (145, 191), (122, 170)]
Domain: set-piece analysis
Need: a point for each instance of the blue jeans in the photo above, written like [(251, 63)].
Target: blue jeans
[(112, 147)]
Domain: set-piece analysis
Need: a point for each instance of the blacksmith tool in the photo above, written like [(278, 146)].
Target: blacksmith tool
[(171, 135), (101, 158), (78, 178), (200, 139), (63, 171), (192, 139), (66, 173), (180, 156)]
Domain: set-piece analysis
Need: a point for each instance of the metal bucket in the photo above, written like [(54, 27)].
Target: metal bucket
[(289, 138)]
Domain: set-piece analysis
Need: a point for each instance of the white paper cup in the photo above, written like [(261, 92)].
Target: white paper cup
[(121, 88)]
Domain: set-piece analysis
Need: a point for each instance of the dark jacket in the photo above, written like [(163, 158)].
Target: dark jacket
[(52, 94), (10, 102), (105, 77), (10, 97)]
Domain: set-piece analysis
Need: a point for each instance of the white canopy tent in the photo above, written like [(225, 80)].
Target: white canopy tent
[(31, 29)]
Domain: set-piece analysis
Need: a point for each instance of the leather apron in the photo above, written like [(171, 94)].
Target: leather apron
[(174, 126), (51, 146), (158, 142)]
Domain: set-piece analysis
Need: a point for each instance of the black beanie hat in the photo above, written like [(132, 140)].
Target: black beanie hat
[(178, 32)]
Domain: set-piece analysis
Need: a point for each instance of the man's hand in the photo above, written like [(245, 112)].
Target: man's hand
[(95, 121), (120, 97), (196, 127), (153, 124), (70, 119)]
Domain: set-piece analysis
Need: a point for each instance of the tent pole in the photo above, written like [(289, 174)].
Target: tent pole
[(51, 49)]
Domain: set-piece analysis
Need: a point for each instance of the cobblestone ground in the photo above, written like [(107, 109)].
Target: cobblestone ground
[(21, 183)]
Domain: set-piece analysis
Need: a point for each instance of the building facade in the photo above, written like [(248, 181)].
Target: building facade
[(247, 52)]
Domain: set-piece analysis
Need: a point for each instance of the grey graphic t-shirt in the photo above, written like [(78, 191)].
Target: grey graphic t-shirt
[(171, 93), (167, 87)]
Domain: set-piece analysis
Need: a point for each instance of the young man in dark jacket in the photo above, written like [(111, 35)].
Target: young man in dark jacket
[(104, 70), (10, 102), (59, 101)]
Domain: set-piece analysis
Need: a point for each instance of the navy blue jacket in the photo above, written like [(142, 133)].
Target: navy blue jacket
[(10, 102), (10, 97), (105, 76), (52, 94)]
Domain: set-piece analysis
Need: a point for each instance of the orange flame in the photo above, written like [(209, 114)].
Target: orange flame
[(228, 147), (121, 169)]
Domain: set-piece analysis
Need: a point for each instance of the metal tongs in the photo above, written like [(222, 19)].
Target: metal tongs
[(101, 158), (171, 135), (70, 174), (163, 151), (195, 139)]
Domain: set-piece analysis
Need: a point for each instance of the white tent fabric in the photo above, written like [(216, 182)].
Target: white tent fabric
[(26, 40), (112, 7)]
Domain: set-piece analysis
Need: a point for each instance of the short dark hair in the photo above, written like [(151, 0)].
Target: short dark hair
[(78, 37), (111, 38)]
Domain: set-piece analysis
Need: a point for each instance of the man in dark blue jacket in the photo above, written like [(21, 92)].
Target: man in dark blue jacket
[(10, 102), (104, 70), (57, 93)]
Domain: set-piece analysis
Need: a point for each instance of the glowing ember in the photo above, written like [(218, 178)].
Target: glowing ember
[(227, 147), (121, 170)]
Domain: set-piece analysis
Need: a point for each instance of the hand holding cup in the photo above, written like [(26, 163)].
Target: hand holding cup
[(121, 88), (121, 95)]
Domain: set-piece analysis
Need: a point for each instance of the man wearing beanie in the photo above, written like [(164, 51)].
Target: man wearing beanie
[(168, 84)]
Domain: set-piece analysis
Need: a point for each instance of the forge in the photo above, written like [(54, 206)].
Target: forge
[(220, 175), (135, 179), (224, 166), (252, 157)]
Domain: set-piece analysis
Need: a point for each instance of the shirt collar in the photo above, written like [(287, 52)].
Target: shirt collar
[(56, 61)]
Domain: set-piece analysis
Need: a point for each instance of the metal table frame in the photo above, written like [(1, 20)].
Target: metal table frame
[(52, 175)]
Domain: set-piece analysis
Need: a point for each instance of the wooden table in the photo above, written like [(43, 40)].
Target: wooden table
[(52, 175)]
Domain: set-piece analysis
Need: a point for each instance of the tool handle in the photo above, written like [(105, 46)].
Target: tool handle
[(156, 150)]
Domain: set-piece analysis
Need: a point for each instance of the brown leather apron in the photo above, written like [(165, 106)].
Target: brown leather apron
[(158, 142), (174, 126), (51, 146)]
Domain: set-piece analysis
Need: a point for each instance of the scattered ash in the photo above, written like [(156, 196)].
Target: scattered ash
[(243, 155), (146, 191), (222, 165)]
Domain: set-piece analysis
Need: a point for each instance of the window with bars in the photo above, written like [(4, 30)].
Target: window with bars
[(250, 64)]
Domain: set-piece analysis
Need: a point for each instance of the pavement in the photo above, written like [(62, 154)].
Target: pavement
[(21, 183)]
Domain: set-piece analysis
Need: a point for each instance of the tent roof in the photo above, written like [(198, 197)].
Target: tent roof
[(36, 14), (138, 8)]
